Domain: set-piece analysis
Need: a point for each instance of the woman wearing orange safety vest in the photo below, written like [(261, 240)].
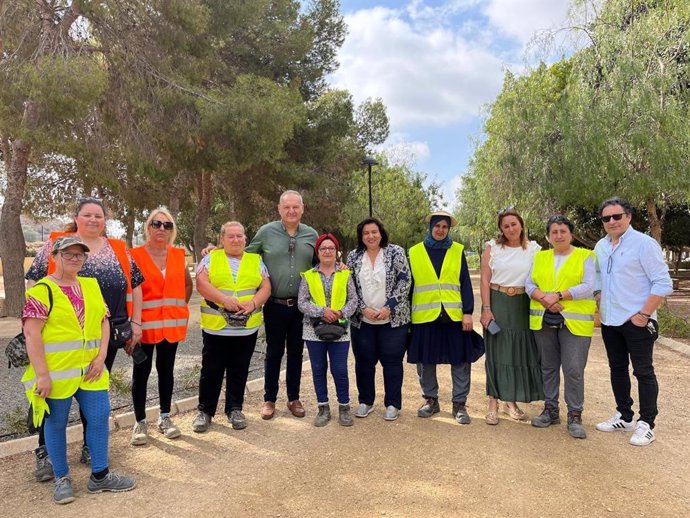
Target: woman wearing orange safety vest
[(119, 279), (166, 292)]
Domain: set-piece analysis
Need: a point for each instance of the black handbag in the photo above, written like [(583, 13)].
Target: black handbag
[(17, 355), (554, 320), (120, 333), (232, 319), (329, 332)]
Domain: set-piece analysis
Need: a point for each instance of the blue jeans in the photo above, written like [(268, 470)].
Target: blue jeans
[(95, 405), (379, 343), (337, 353)]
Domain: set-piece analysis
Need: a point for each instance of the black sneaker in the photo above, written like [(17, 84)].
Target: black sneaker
[(85, 457), (429, 408), (237, 419), (460, 413), (575, 428), (547, 417), (201, 422), (111, 482), (44, 468)]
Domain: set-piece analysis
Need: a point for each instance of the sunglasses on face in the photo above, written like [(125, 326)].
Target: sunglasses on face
[(167, 225), (616, 217)]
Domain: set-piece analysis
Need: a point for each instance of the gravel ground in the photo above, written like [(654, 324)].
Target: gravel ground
[(13, 404)]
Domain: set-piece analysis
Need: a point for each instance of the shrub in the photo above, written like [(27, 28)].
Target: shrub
[(672, 325)]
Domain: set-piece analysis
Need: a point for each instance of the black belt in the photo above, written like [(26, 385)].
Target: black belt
[(292, 301)]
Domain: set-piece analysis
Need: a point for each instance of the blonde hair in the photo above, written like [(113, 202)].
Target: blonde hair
[(230, 224), (161, 210)]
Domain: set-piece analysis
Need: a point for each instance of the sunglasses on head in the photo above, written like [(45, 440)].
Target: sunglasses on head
[(616, 217), (167, 225), (502, 211)]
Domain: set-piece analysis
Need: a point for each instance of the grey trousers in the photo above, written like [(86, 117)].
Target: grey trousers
[(459, 373), (560, 348)]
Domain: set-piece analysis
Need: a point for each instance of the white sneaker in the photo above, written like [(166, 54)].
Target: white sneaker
[(616, 424), (643, 435), (139, 434), (364, 410)]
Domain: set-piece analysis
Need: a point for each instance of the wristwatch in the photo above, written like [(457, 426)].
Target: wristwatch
[(560, 295)]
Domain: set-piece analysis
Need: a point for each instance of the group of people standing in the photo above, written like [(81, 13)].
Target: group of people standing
[(537, 313)]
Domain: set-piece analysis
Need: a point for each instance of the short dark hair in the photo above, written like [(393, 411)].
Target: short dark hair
[(559, 219), (616, 201), (360, 229)]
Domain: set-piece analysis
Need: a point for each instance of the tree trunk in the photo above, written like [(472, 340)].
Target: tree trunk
[(129, 227), (654, 221), (204, 194), (12, 244)]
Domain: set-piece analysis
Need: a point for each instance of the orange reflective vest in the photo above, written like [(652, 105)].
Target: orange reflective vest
[(164, 313), (120, 249)]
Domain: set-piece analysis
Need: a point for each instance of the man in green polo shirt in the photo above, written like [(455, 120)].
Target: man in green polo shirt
[(287, 249)]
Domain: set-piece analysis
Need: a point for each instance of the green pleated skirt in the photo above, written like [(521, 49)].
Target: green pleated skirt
[(513, 370)]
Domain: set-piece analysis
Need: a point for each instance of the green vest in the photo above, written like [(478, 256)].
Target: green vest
[(248, 282), (578, 314), (338, 291), (430, 291), (69, 349)]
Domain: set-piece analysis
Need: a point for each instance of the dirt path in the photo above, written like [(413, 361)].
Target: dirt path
[(411, 467)]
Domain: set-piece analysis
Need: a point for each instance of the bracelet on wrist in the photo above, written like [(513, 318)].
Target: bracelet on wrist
[(644, 314), (135, 322)]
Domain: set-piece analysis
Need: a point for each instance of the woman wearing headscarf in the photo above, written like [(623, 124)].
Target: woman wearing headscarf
[(442, 306), (119, 279), (66, 327), (166, 292)]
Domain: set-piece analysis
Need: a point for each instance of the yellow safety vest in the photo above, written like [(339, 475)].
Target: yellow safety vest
[(69, 349), (431, 292), (248, 282), (578, 314), (338, 291)]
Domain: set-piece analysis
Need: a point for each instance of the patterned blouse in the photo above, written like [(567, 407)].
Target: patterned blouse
[(311, 310), (105, 268), (397, 283)]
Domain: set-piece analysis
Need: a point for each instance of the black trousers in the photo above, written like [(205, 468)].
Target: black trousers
[(283, 333), (224, 357), (632, 344), (165, 367)]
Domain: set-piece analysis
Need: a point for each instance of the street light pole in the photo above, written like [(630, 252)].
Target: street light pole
[(370, 161)]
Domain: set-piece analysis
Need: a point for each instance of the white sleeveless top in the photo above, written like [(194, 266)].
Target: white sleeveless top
[(510, 266)]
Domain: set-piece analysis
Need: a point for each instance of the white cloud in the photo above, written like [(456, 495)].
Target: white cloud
[(401, 151), (425, 76), (521, 19)]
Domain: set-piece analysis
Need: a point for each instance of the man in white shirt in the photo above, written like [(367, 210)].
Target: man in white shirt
[(632, 281)]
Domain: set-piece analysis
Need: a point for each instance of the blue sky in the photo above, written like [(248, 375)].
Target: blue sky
[(437, 64)]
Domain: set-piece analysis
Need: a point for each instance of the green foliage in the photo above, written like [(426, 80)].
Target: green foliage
[(119, 382), (673, 325), (610, 120)]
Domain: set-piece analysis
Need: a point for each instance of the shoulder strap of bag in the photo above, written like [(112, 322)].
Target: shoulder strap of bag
[(50, 295)]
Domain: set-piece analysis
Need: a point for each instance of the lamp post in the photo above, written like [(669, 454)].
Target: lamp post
[(369, 161)]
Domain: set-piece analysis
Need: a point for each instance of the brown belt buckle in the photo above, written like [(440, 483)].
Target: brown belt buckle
[(511, 291)]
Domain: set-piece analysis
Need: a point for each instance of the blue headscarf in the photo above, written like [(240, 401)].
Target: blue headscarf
[(430, 242)]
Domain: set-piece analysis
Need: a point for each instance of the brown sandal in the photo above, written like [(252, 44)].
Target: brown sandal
[(515, 413)]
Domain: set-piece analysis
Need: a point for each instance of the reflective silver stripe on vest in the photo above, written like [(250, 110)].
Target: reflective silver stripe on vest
[(566, 314), (452, 305), (240, 293), (157, 303), (436, 287), (422, 307), (158, 324), (72, 345), (210, 311), (61, 347), (129, 297), (57, 375)]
